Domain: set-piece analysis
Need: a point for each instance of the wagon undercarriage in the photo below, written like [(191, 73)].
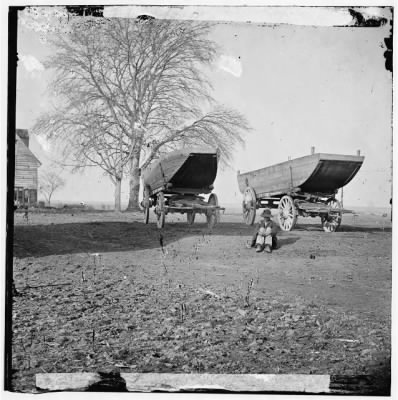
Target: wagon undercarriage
[(189, 204), (291, 206)]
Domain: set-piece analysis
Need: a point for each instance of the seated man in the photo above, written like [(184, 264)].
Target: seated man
[(264, 237)]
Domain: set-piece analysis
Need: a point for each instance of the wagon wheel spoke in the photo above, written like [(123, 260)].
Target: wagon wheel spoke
[(287, 213), (249, 206), (213, 216), (146, 205), (160, 210), (332, 220), (190, 217)]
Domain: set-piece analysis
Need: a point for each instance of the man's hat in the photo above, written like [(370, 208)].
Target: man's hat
[(266, 213)]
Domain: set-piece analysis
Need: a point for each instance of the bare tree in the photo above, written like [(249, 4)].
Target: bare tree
[(49, 183), (142, 85), (91, 138)]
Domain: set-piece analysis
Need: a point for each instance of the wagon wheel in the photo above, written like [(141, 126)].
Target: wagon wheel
[(146, 205), (212, 216), (287, 213), (160, 210), (249, 206), (190, 217), (331, 222)]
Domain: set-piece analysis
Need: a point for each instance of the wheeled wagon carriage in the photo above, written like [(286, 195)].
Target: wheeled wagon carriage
[(305, 186), (177, 182)]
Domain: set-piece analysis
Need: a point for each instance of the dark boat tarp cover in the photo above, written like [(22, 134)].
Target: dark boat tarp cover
[(331, 174), (187, 168)]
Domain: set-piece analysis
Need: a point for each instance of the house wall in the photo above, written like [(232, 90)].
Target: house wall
[(26, 174)]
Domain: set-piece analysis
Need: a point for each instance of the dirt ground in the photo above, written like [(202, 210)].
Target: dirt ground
[(96, 291)]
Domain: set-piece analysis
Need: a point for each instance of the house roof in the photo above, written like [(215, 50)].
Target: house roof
[(21, 147)]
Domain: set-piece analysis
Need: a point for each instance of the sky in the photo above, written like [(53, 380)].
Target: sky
[(298, 85)]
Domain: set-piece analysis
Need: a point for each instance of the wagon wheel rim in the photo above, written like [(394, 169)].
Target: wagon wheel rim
[(287, 213), (213, 216), (190, 217), (146, 205), (249, 206), (160, 210), (331, 222), (146, 215)]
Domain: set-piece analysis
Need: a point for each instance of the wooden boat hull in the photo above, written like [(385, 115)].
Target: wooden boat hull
[(183, 170), (315, 173)]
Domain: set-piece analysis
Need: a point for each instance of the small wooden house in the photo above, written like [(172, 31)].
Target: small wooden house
[(26, 171)]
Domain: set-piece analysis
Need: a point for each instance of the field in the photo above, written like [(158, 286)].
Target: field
[(99, 291)]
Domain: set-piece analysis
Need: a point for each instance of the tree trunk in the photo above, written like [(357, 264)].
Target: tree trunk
[(118, 189), (134, 183)]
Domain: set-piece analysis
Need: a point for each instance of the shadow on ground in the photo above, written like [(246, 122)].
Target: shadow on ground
[(285, 241), (58, 239), (344, 228), (92, 237)]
